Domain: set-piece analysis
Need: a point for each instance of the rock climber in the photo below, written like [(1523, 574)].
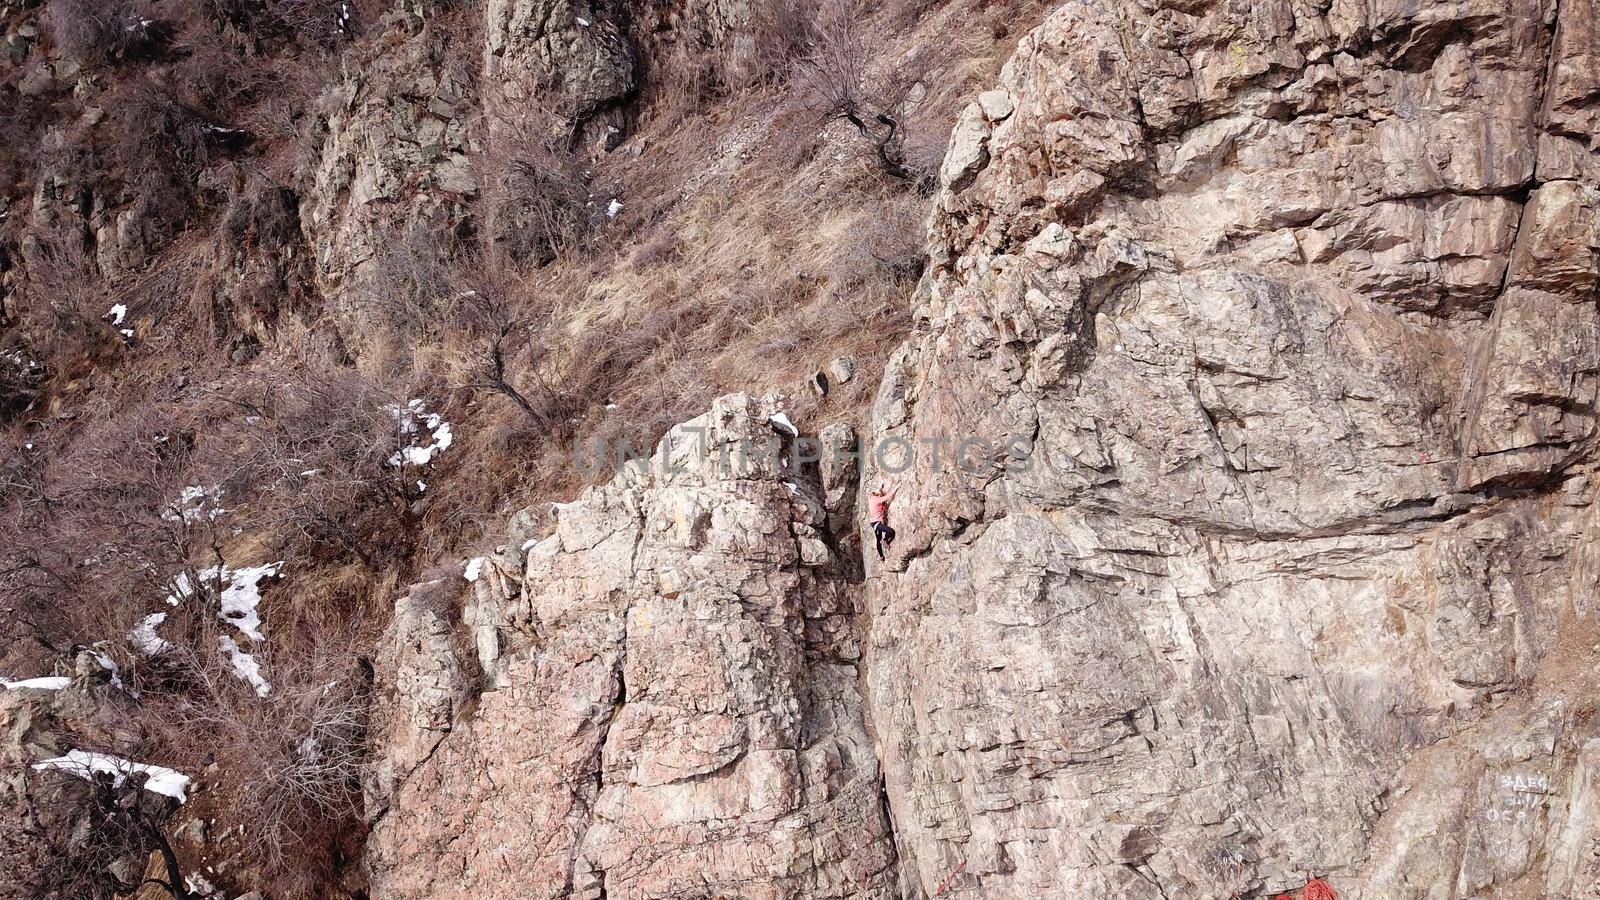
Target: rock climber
[(878, 514)]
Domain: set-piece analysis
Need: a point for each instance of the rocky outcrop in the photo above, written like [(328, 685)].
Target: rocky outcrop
[(579, 49), (388, 170), (669, 701), (1245, 446), (1290, 310)]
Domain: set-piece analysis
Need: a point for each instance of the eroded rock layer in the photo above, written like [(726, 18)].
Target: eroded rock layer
[(1294, 305), (670, 703)]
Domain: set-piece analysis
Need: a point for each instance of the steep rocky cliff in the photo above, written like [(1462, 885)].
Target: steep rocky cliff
[(669, 701), (1289, 310), (1295, 306), (1244, 439)]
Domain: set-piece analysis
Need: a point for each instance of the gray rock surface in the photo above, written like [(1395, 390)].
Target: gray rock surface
[(1294, 306), (389, 172), (1286, 312), (680, 713)]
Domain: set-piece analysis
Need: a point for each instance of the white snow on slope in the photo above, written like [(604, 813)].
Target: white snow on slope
[(244, 665), (243, 594), (47, 683), (194, 504), (781, 420), (144, 637), (85, 764), (117, 313), (110, 665), (474, 569), (414, 419)]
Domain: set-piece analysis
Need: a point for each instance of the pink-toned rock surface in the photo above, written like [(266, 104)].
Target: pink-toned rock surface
[(1295, 306), (1292, 306), (678, 712)]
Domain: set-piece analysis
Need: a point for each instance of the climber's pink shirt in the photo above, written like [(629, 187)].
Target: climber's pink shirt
[(878, 507)]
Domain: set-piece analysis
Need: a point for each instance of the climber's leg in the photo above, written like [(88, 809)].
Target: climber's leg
[(882, 536)]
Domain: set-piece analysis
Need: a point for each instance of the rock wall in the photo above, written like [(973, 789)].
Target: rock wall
[(1294, 306), (662, 698), (1288, 313)]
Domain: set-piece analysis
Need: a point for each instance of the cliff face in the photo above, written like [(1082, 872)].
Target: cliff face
[(1244, 437), (1296, 309), (1292, 309), (671, 703)]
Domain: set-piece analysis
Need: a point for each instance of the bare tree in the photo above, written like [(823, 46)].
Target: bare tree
[(837, 80), (509, 338), (86, 834)]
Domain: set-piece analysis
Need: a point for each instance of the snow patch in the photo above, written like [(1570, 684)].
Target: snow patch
[(414, 419), (198, 885), (474, 569), (83, 764), (781, 420), (110, 665), (614, 208), (582, 22), (117, 313), (243, 594), (195, 504), (244, 665), (47, 683), (144, 637)]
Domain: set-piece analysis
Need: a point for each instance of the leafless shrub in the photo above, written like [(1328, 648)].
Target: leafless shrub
[(107, 32), (535, 193), (840, 80), (39, 579), (839, 83), (510, 342), (21, 377), (160, 140), (318, 448), (318, 23), (927, 137), (62, 303), (79, 837), (408, 288), (781, 30), (295, 754), (888, 250)]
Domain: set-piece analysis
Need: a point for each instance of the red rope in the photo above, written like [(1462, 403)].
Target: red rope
[(951, 877), (1318, 889)]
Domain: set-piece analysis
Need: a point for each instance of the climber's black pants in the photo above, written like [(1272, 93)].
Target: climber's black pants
[(882, 535)]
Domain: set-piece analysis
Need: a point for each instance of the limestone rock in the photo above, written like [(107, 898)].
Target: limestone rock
[(1297, 329), (679, 712)]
